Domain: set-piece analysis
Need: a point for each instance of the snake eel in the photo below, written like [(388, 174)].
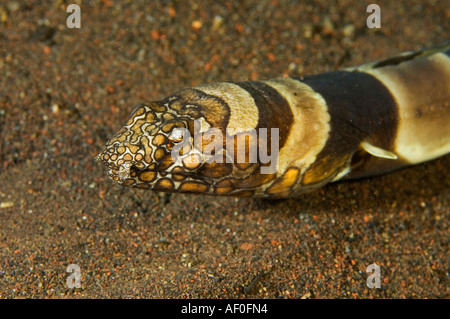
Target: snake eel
[(286, 136)]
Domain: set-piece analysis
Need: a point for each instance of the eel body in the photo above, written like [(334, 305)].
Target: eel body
[(286, 136)]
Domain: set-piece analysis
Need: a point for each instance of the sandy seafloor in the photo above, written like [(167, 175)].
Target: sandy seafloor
[(64, 92)]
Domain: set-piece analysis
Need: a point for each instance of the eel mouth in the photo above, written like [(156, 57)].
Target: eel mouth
[(119, 170), (134, 173)]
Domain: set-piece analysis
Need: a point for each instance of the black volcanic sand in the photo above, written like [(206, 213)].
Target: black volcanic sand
[(64, 92)]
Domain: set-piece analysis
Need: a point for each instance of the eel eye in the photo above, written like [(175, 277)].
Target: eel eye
[(176, 135)]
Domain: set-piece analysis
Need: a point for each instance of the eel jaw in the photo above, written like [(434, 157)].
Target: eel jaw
[(119, 170)]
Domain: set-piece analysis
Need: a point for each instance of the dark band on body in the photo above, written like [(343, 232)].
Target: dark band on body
[(274, 110), (360, 107)]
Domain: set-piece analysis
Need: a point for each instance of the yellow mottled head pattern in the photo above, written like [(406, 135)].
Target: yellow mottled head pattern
[(141, 153)]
